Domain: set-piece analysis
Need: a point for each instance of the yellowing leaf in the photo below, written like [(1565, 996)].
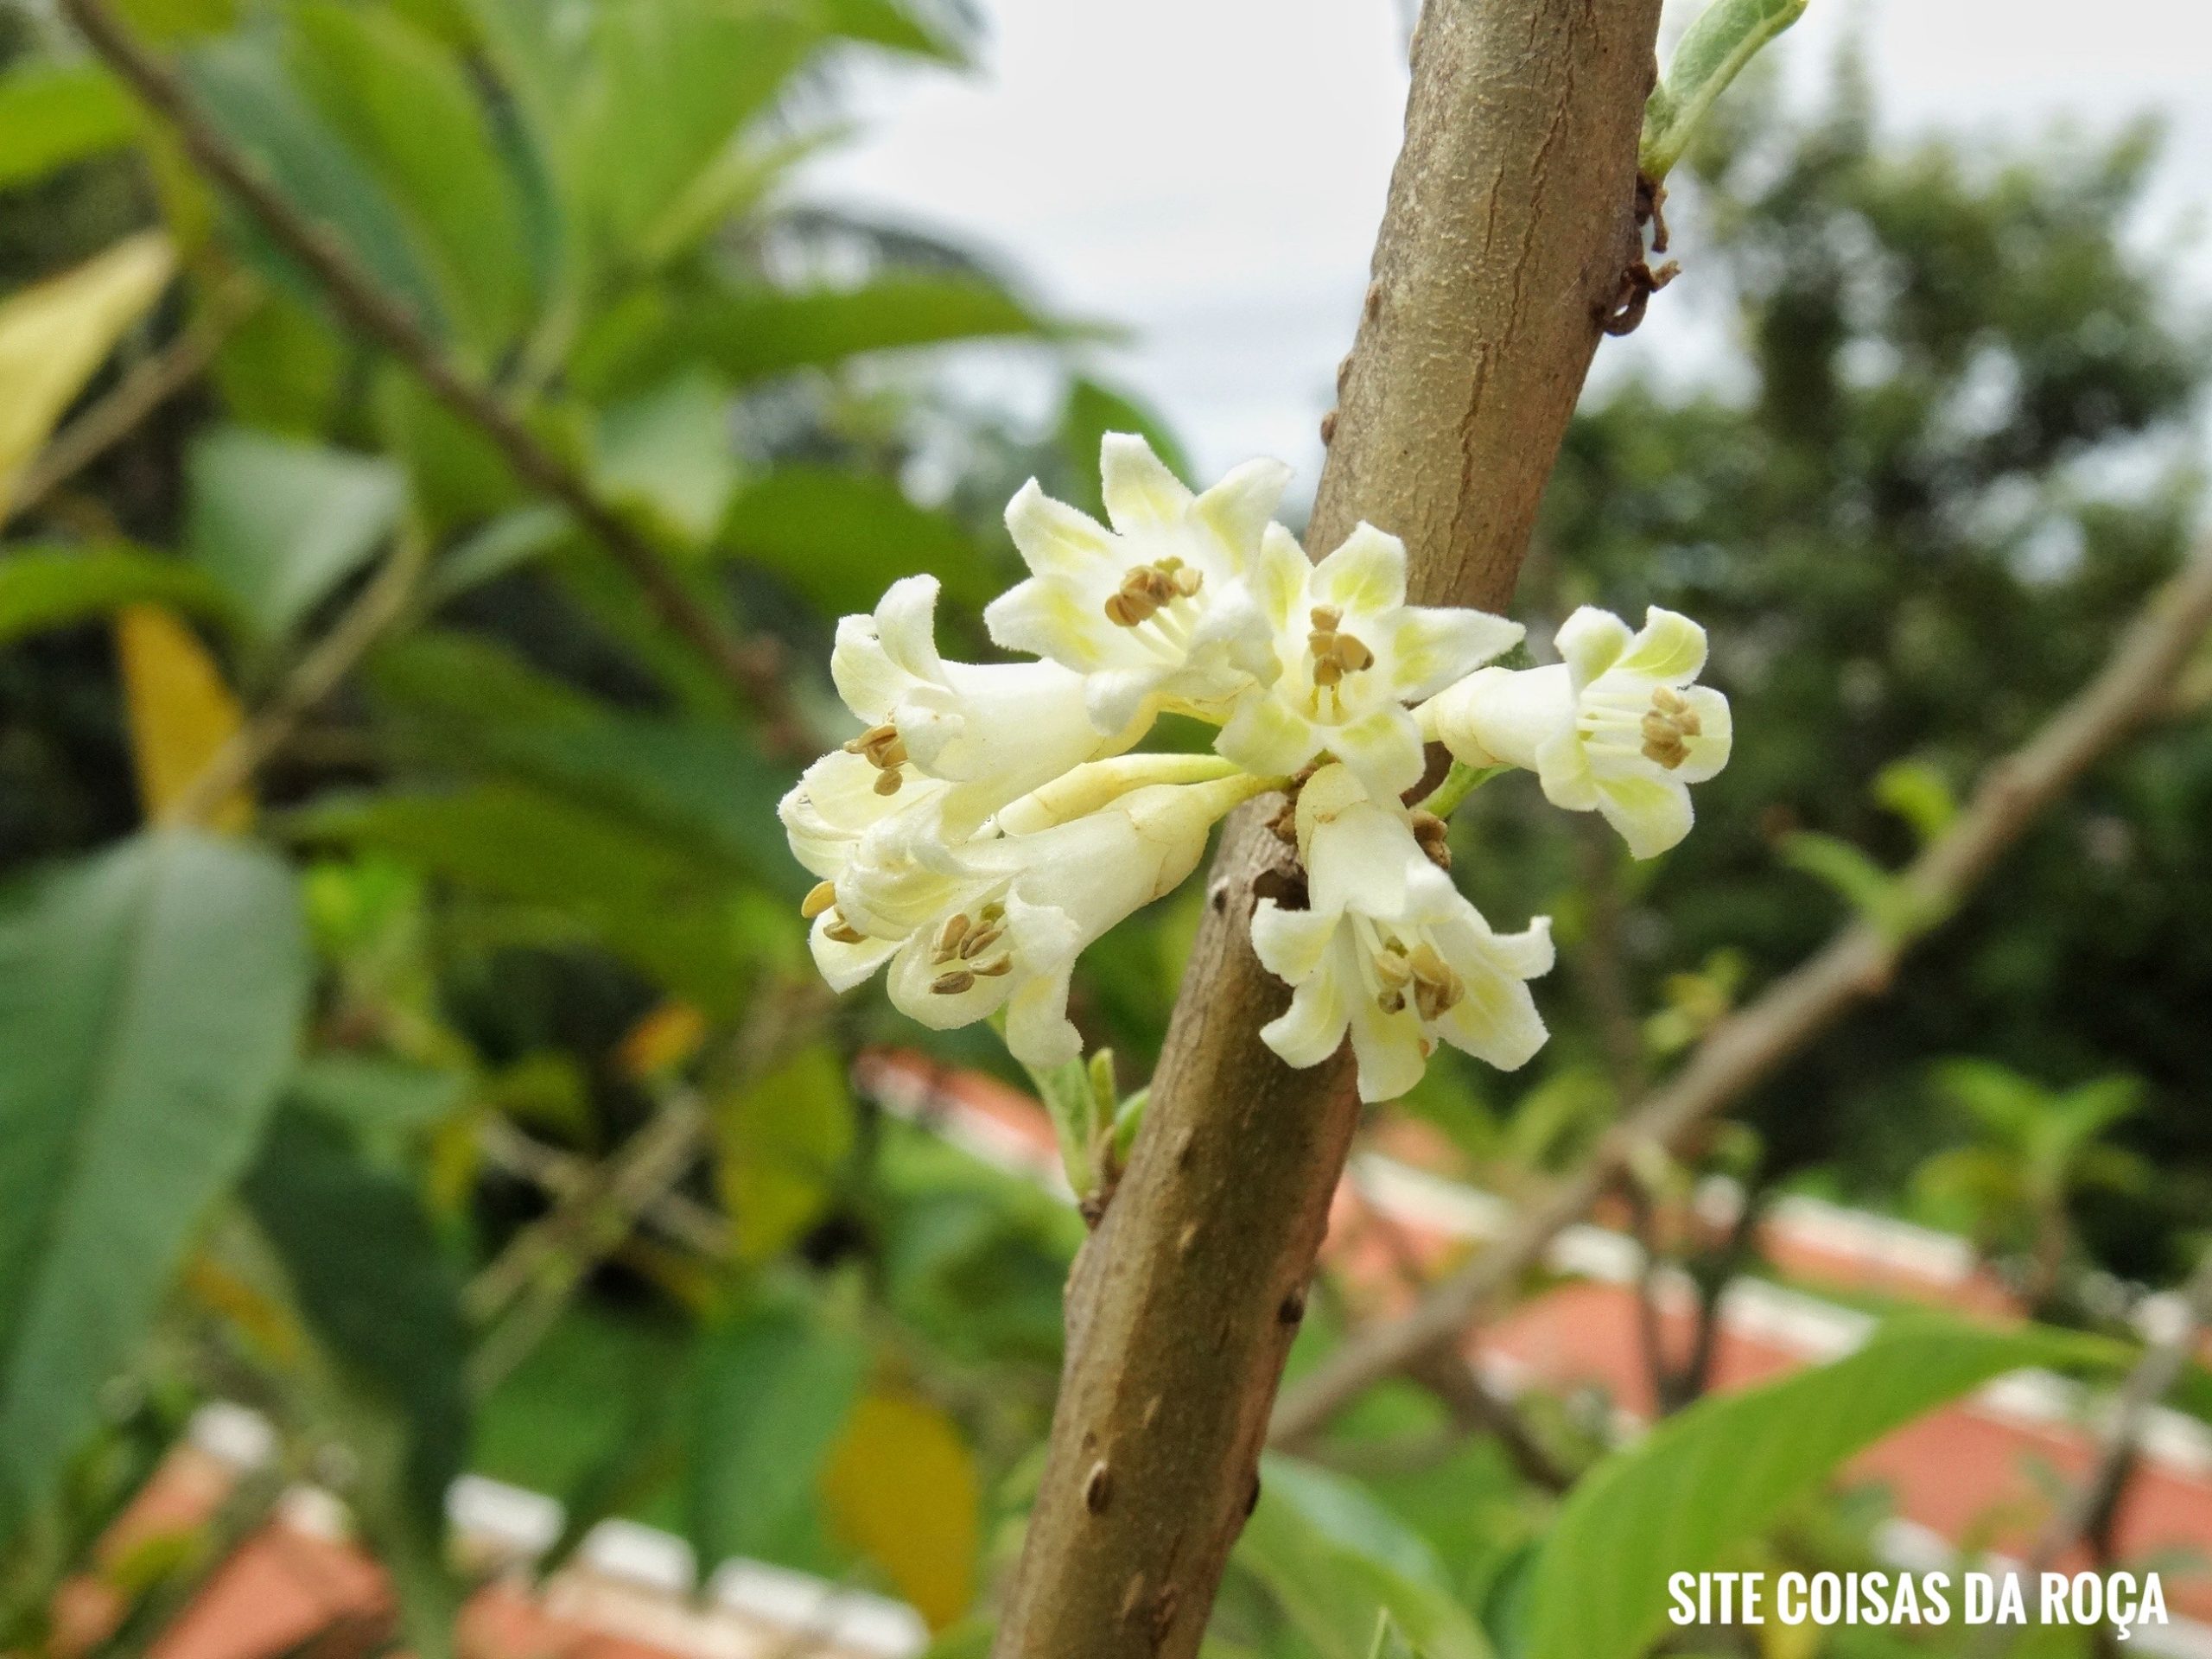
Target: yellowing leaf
[(780, 1144), (182, 714), (663, 1040), (901, 1488), (55, 334)]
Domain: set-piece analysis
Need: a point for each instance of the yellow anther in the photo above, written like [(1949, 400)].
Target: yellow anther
[(953, 984), (819, 897)]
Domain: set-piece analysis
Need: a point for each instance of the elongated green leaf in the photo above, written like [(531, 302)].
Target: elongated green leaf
[(149, 1001), (698, 783), (673, 916), (1091, 412), (51, 588), (53, 114), (379, 1293), (840, 538), (1712, 52), (281, 525), (774, 1388), (1332, 1559), (374, 1097), (1714, 1475), (749, 336), (404, 106), (667, 452), (242, 85)]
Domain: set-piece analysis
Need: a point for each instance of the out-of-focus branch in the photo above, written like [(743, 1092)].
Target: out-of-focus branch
[(1749, 1046), (355, 296), (382, 600), (145, 387), (568, 1178)]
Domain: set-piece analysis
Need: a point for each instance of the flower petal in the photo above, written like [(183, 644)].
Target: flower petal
[(1505, 714), (1430, 648), (1238, 509), (905, 621), (1312, 1028), (1590, 642), (1668, 649), (1291, 943), (1389, 1047), (1140, 493), (1496, 1020), (1050, 616), (1652, 814), (1383, 747), (1037, 1030), (1708, 750), (1564, 771), (843, 965), (1267, 737), (1055, 538), (1365, 576), (1279, 579)]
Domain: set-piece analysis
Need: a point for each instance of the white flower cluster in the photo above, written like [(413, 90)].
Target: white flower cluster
[(990, 823)]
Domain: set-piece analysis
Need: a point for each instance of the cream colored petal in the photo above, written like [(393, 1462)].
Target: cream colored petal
[(1669, 649), (1292, 945), (867, 678), (1037, 1030), (1496, 1021), (1563, 770), (1509, 714), (1590, 642), (1279, 579), (1312, 1028), (1118, 697), (1365, 576), (1057, 539), (1389, 1049), (1427, 649), (1051, 616), (1238, 509), (905, 622), (843, 966), (1652, 814), (1708, 750), (912, 974), (1140, 493), (1383, 748), (1267, 737)]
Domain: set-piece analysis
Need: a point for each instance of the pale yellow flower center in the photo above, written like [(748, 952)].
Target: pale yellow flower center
[(886, 751), (961, 946), (1147, 589), (1666, 726), (1333, 654)]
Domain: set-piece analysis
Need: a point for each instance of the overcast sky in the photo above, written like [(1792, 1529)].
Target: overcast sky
[(1209, 173)]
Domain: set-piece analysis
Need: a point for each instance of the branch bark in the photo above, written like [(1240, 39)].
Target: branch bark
[(1510, 219), (354, 294), (2132, 689)]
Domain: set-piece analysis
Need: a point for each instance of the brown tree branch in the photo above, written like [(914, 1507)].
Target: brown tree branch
[(356, 296), (1749, 1046), (1510, 218)]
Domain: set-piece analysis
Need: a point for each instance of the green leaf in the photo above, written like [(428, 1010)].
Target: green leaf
[(1091, 412), (54, 114), (242, 87), (749, 336), (281, 524), (1918, 794), (1391, 1642), (401, 104), (1331, 1556), (42, 589), (840, 538), (775, 1386), (672, 916), (1712, 52), (699, 783), (1719, 1473), (667, 452), (1863, 885), (780, 1147), (379, 1294), (151, 998), (372, 1096)]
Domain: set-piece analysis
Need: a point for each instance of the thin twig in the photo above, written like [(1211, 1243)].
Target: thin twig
[(1749, 1046), (145, 387), (568, 1178), (381, 602), (367, 307)]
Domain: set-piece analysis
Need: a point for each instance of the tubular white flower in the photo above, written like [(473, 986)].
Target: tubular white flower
[(1391, 950), (998, 921), (1154, 612), (1618, 726), (1350, 654), (947, 743)]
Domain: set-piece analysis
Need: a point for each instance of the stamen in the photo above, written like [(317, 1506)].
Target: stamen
[(953, 984), (819, 897), (1665, 725), (1148, 588), (888, 782), (992, 970), (949, 939), (980, 941), (1334, 655), (843, 931)]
